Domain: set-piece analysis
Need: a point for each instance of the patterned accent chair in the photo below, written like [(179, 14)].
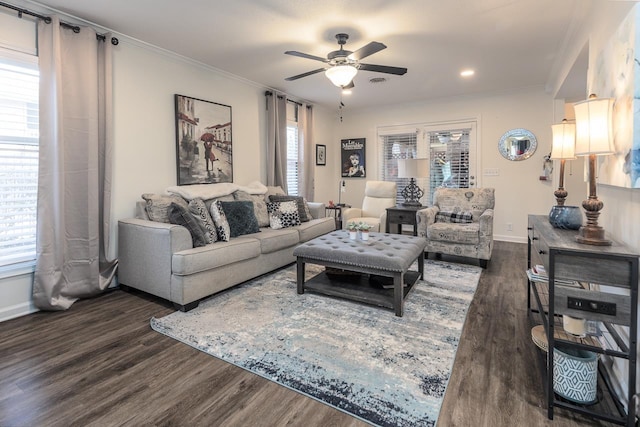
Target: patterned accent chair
[(378, 196), (460, 222)]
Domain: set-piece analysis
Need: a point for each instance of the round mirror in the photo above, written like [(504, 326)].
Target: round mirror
[(517, 144)]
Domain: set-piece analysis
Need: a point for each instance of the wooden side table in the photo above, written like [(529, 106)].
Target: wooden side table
[(336, 212), (403, 215)]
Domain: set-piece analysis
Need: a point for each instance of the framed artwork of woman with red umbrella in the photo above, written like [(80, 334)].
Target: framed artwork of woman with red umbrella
[(204, 152)]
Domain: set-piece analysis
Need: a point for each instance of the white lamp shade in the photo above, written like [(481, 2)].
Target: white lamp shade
[(594, 126), (413, 168), (563, 144), (341, 75)]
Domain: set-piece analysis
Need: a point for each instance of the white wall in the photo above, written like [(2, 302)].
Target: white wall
[(519, 190), (145, 80)]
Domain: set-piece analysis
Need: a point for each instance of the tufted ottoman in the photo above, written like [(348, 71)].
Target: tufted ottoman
[(388, 255)]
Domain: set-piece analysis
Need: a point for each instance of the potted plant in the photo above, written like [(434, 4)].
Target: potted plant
[(364, 230), (353, 230)]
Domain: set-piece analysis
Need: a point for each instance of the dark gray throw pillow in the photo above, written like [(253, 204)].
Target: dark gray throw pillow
[(180, 215), (241, 217), (303, 208)]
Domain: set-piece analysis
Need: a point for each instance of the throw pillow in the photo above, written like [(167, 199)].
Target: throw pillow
[(209, 202), (455, 217), (271, 190), (241, 218), (283, 214), (200, 213), (303, 208), (259, 206), (179, 215), (158, 205), (220, 221)]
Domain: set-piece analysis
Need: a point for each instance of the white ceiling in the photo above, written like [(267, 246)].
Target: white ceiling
[(511, 44)]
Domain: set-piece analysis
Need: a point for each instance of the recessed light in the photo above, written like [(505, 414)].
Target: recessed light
[(467, 73)]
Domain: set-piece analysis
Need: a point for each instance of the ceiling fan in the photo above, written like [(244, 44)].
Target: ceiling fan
[(343, 65)]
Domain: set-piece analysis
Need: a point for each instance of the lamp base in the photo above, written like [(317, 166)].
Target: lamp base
[(411, 203), (592, 235)]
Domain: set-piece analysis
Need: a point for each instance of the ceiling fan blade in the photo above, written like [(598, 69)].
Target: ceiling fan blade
[(308, 73), (383, 69), (305, 55), (367, 50)]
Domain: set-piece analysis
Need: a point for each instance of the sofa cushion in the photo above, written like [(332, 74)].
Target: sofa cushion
[(180, 215), (303, 208), (283, 214), (220, 220), (274, 240), (316, 227), (259, 206), (240, 217), (208, 257), (157, 205), (455, 217), (202, 216), (454, 233)]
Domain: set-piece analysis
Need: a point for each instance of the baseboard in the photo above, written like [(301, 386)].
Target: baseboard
[(17, 310), (512, 239)]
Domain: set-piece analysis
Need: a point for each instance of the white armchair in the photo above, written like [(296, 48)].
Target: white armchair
[(378, 196), (460, 222)]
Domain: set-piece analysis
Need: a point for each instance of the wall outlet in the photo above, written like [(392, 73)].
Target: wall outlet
[(509, 226), (491, 172)]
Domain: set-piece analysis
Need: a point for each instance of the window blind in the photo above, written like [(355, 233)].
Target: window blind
[(292, 160), (394, 147), (19, 135), (449, 153)]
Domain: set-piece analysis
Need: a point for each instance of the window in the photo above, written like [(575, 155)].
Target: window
[(292, 159), (394, 147), (19, 79)]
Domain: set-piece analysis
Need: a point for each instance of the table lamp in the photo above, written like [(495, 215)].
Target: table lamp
[(594, 137), (412, 168), (563, 146)]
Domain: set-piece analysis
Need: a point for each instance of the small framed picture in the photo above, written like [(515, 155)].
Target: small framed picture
[(321, 155)]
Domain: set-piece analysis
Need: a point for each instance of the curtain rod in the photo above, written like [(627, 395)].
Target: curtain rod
[(47, 20), (269, 93)]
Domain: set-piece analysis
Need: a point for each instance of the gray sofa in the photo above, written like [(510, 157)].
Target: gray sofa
[(159, 258)]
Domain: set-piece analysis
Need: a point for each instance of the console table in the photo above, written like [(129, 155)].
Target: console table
[(586, 268)]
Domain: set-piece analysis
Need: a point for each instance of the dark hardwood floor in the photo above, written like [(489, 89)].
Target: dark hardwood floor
[(100, 364)]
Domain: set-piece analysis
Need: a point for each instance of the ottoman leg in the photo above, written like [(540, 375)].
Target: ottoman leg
[(398, 293), (300, 275)]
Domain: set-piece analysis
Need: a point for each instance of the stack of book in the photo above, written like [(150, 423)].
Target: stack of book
[(537, 273)]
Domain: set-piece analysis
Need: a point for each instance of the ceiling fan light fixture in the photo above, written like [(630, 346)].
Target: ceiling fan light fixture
[(341, 75)]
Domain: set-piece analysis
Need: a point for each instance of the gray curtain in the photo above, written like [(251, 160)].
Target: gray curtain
[(306, 152), (277, 140), (74, 180)]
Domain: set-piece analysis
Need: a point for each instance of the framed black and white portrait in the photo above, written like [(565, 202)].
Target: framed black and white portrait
[(352, 156), (321, 155)]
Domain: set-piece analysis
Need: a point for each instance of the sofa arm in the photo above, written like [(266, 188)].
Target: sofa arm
[(486, 223), (317, 209), (145, 250), (349, 213), (425, 218)]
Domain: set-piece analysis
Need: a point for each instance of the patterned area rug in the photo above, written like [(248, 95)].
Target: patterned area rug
[(383, 369)]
